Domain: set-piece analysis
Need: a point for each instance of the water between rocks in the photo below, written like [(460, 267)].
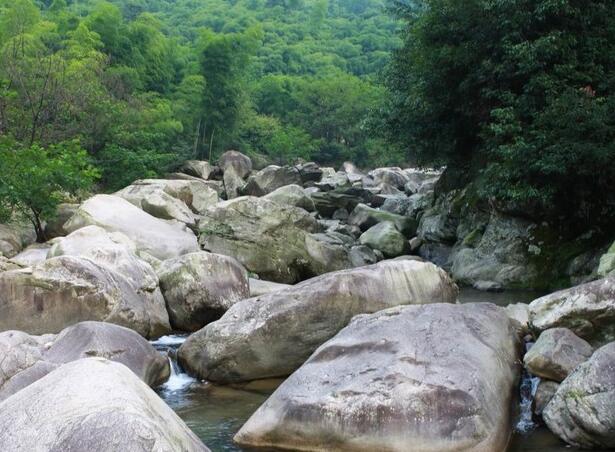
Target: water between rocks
[(216, 413)]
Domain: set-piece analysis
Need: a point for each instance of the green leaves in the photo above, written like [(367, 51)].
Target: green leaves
[(34, 180), (519, 91)]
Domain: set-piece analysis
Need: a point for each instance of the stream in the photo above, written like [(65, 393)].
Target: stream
[(216, 413)]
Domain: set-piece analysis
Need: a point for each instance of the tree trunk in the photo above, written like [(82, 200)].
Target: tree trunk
[(41, 236)]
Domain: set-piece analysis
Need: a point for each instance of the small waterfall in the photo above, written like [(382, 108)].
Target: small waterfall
[(179, 380), (527, 391)]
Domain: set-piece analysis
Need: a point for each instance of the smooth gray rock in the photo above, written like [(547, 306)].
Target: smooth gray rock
[(233, 183), (151, 235), (198, 168), (273, 335), (328, 252), (155, 201), (267, 238), (270, 179), (365, 217), (396, 204), (259, 287), (292, 195), (556, 353), (362, 255), (588, 310), (433, 378), (92, 404), (332, 180), (199, 287), (582, 411), (197, 194), (393, 176), (65, 290), (520, 313), (310, 172), (544, 393), (14, 237), (499, 254), (32, 255), (113, 250), (28, 358), (241, 163), (55, 226), (386, 238)]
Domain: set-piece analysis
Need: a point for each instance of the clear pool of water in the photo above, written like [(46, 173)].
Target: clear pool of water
[(216, 413)]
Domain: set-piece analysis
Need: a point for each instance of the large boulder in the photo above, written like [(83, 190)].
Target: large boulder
[(14, 237), (271, 178), (267, 238), (32, 255), (582, 411), (332, 180), (392, 176), (346, 198), (198, 168), (365, 217), (215, 185), (110, 249), (241, 163), (556, 353), (588, 310), (233, 183), (498, 252), (310, 172), (386, 238), (65, 290), (328, 252), (92, 404), (200, 287), (28, 358), (292, 195), (434, 378), (273, 335), (198, 194), (155, 201), (159, 238), (55, 225)]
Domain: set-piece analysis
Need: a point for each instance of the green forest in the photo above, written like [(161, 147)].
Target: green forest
[(143, 85), (514, 97)]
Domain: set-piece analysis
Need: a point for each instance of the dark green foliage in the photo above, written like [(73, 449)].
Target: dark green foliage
[(34, 180), (519, 92)]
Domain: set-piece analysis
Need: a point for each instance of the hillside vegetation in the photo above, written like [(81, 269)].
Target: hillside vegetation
[(143, 85)]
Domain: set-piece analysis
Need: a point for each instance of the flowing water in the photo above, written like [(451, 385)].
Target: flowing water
[(216, 413)]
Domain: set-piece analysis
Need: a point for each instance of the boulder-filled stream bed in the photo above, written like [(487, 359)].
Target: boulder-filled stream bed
[(215, 413)]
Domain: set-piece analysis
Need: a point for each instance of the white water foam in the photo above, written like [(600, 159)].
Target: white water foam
[(178, 381), (171, 341)]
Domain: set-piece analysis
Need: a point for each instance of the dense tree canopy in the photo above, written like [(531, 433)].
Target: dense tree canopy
[(144, 84), (519, 95)]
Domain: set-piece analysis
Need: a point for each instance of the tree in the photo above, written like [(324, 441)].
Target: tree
[(519, 96), (34, 180), (223, 59)]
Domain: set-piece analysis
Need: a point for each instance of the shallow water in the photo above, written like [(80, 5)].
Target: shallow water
[(216, 413)]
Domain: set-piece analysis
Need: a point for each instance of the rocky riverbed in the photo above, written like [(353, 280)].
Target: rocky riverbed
[(343, 286)]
